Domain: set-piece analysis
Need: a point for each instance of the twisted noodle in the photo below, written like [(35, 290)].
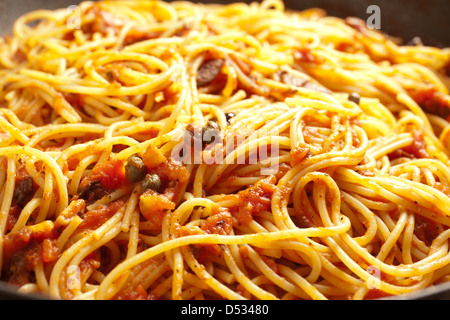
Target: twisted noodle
[(329, 178)]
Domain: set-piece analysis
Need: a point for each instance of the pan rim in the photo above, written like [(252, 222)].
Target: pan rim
[(428, 293), (435, 292)]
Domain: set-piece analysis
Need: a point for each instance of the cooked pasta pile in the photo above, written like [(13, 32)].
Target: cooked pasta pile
[(153, 150)]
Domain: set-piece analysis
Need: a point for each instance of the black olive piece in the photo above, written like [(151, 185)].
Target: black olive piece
[(92, 192), (23, 191), (354, 97), (209, 132), (209, 71), (229, 115), (151, 181), (135, 169)]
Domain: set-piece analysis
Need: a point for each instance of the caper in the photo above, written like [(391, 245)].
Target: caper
[(151, 181), (135, 169)]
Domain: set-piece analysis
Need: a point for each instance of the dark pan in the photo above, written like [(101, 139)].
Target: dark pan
[(406, 19)]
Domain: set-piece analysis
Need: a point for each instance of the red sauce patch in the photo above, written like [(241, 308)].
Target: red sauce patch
[(24, 249), (172, 170), (305, 55), (97, 217), (376, 294), (299, 153), (416, 150), (111, 174), (154, 206), (220, 223), (138, 293), (442, 188), (255, 199), (432, 101), (49, 250), (425, 229)]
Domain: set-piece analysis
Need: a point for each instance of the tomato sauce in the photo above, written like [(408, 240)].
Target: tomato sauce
[(255, 199), (426, 229), (24, 249), (416, 150), (97, 217), (110, 174)]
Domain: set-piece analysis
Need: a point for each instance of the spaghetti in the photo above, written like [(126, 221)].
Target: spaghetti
[(153, 150)]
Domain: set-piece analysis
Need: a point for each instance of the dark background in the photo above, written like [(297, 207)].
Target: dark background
[(428, 19)]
